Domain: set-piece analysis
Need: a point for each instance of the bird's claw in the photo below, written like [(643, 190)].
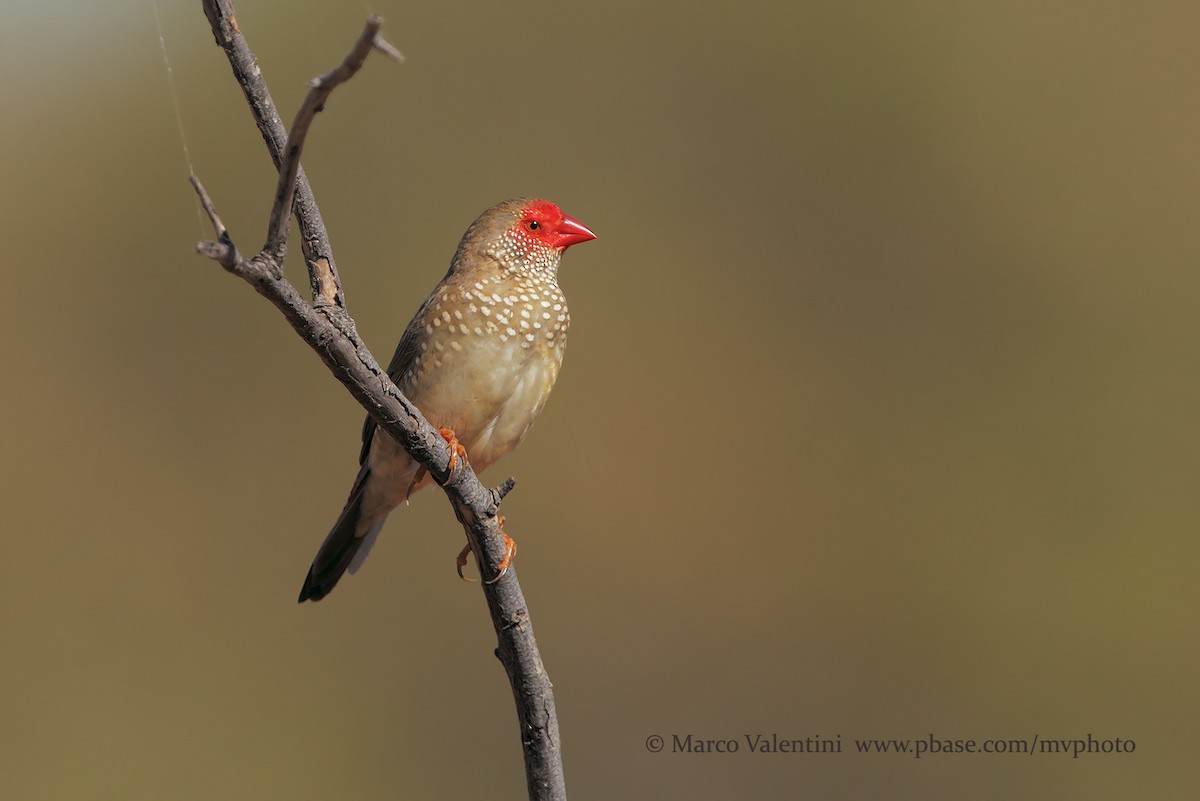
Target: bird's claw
[(456, 448), (461, 562), (510, 550)]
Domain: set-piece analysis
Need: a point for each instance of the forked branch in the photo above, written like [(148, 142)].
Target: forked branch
[(326, 326)]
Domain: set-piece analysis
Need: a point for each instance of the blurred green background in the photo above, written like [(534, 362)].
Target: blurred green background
[(877, 420)]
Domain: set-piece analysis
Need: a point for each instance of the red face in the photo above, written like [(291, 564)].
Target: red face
[(543, 223)]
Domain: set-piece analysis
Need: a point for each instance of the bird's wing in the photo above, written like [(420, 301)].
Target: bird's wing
[(408, 349)]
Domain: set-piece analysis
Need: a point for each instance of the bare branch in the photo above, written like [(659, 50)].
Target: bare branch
[(329, 330), (222, 18), (320, 88)]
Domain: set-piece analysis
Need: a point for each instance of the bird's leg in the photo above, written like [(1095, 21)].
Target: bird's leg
[(456, 448), (510, 550)]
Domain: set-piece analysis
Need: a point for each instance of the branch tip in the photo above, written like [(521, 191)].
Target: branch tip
[(385, 47), (499, 492), (209, 209)]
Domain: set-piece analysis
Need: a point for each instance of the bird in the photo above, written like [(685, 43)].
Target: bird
[(479, 359)]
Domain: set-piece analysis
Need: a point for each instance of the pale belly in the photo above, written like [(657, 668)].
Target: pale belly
[(489, 397)]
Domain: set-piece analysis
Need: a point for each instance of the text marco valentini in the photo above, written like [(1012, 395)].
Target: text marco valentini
[(756, 744)]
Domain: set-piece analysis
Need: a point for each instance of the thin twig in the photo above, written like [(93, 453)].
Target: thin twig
[(330, 331), (320, 88), (223, 250)]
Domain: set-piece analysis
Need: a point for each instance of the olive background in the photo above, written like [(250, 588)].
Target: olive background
[(878, 417)]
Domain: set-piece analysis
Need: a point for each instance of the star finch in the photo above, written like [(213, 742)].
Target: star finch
[(478, 359)]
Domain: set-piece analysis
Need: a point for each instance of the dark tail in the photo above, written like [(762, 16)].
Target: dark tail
[(340, 547)]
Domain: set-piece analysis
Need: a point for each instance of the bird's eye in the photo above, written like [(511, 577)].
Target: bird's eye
[(533, 225)]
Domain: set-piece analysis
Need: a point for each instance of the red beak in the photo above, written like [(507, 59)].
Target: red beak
[(571, 232)]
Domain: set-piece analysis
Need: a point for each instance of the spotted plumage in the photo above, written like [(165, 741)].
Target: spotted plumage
[(479, 357)]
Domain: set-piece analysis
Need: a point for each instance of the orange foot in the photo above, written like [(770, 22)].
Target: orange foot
[(510, 550), (456, 448)]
